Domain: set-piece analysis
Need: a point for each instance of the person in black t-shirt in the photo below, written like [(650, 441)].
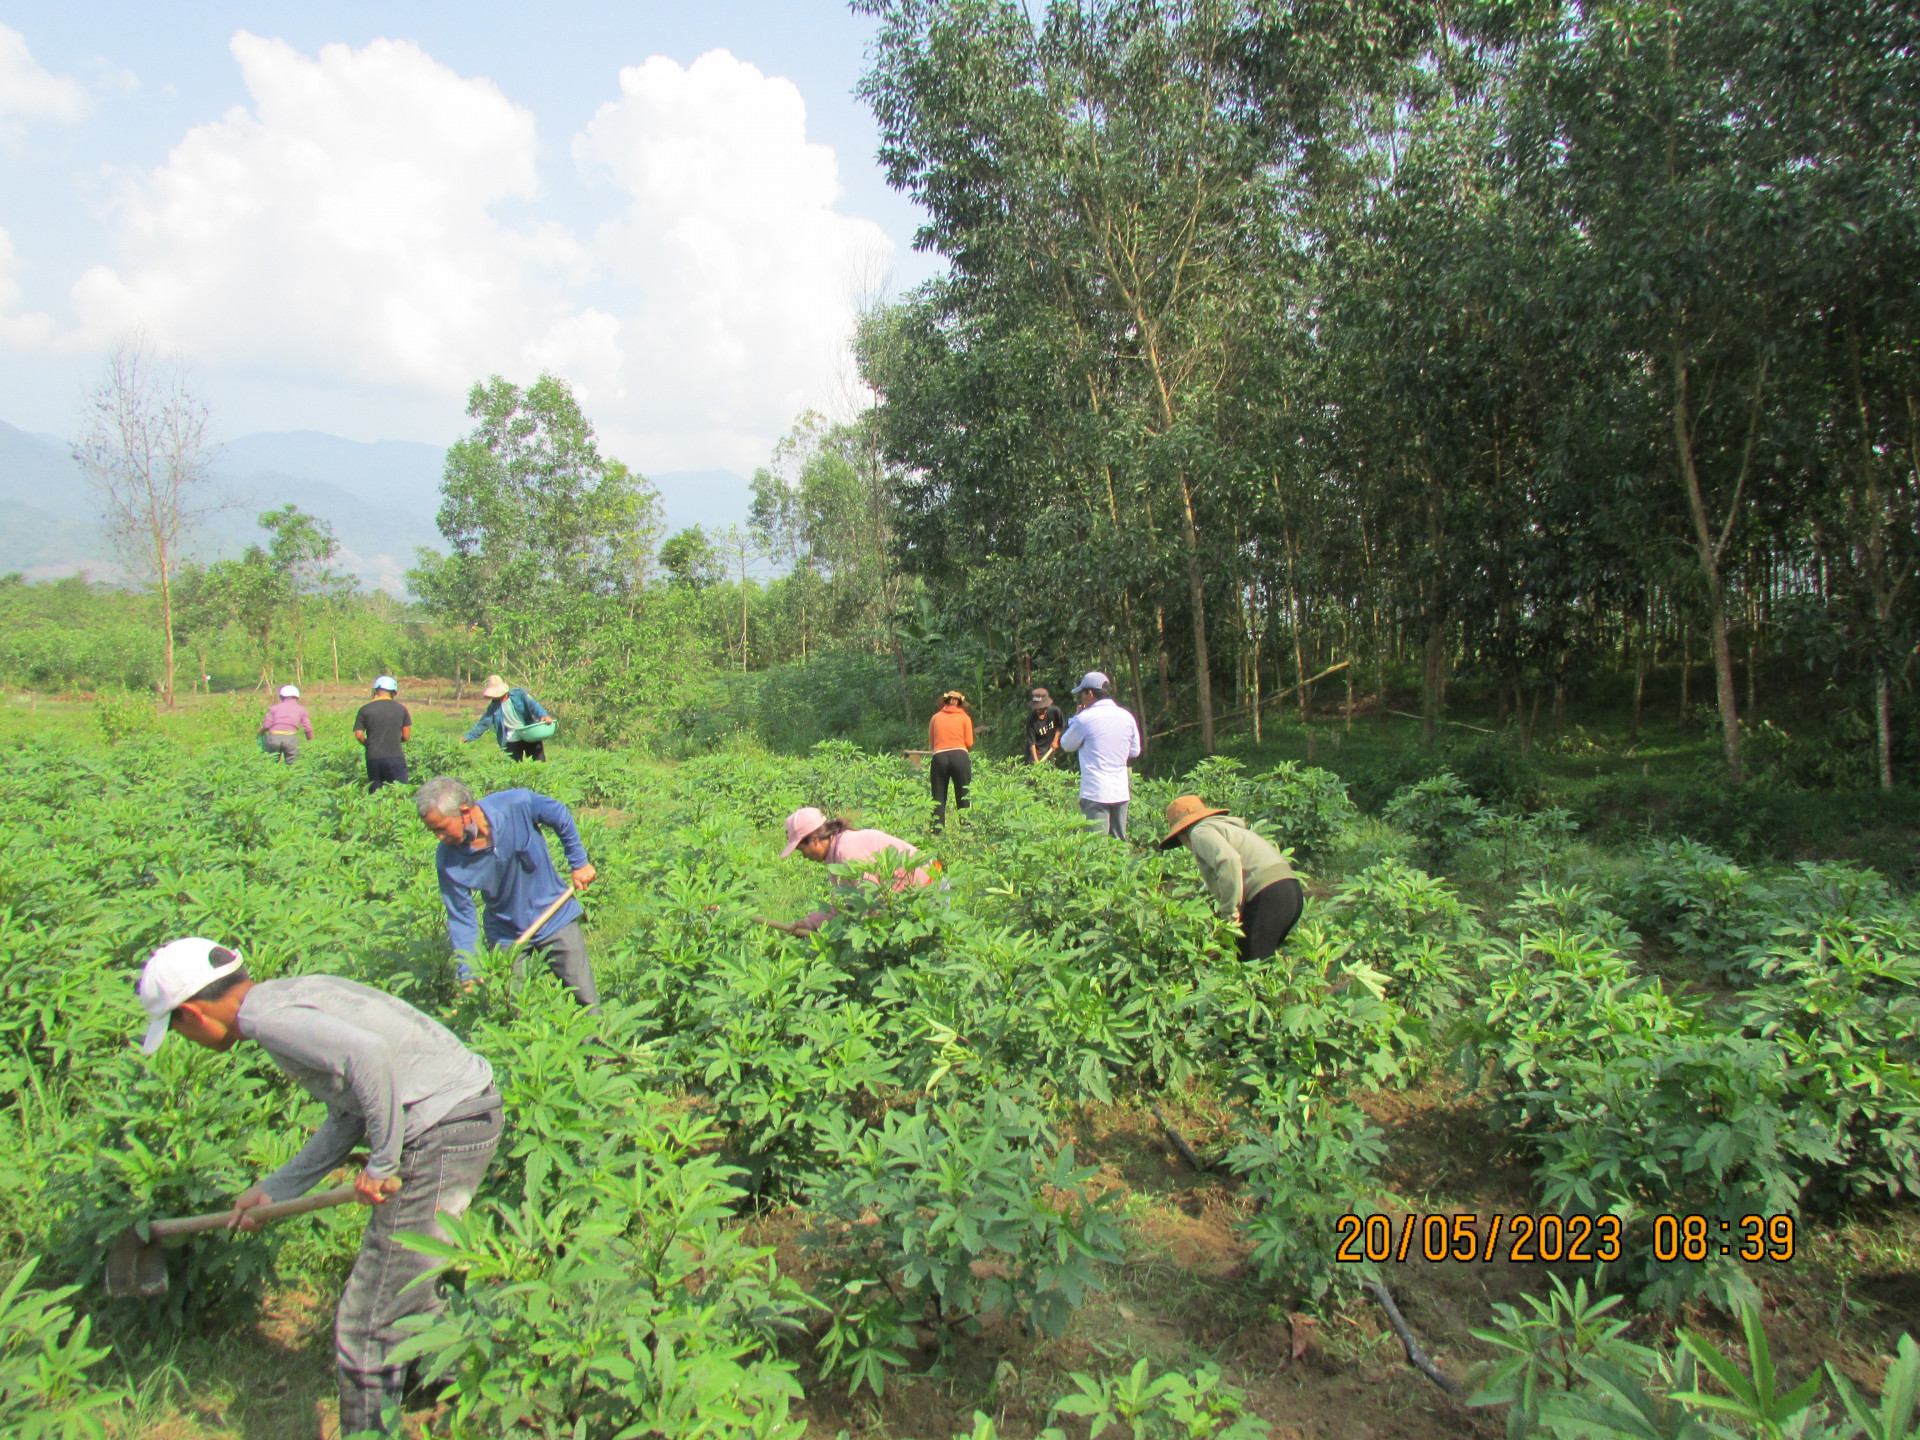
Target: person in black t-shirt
[(1045, 722), (384, 726)]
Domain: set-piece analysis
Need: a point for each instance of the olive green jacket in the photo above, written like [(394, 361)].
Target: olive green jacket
[(1236, 863)]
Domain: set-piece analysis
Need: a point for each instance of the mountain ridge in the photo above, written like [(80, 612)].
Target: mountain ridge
[(379, 496)]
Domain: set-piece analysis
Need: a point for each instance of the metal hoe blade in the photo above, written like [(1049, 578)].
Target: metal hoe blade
[(136, 1267)]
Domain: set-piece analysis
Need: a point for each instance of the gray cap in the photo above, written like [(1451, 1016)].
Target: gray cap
[(1093, 680)]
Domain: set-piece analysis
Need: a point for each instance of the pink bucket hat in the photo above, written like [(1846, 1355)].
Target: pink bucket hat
[(800, 824)]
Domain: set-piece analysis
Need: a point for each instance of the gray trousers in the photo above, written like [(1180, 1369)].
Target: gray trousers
[(1106, 819), (283, 747), (566, 956), (438, 1174)]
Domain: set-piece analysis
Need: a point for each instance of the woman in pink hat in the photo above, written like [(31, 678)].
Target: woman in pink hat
[(833, 842)]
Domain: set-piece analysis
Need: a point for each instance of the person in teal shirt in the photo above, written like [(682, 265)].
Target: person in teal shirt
[(509, 707)]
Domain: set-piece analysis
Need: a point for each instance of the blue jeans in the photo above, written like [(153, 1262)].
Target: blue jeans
[(1104, 818), (439, 1172)]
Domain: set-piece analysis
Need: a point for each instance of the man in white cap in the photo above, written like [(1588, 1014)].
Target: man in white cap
[(423, 1102), (384, 726), (286, 718), (1106, 738)]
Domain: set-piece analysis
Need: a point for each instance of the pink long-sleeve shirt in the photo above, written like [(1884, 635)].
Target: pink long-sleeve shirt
[(850, 847), (288, 715)]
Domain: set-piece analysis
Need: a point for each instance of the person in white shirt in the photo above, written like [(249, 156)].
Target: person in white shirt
[(1106, 738)]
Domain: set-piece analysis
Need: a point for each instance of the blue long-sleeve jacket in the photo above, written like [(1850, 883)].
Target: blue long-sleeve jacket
[(515, 875), (494, 718)]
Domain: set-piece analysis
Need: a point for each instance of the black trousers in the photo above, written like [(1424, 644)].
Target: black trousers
[(953, 767), (1266, 918), (527, 749), (386, 770)]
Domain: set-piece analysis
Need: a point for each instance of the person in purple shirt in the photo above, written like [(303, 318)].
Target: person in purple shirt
[(286, 718), (494, 846)]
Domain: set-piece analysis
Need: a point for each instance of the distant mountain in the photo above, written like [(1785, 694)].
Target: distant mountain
[(380, 498), (399, 475)]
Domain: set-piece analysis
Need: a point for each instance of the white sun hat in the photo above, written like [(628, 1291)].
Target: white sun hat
[(179, 970), (289, 692)]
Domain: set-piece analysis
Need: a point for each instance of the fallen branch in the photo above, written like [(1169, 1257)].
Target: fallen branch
[(1481, 729), (1179, 1140), (779, 925), (1265, 700), (1416, 1357)]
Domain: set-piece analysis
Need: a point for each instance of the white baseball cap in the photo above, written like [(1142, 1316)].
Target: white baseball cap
[(289, 692), (179, 970), (1093, 680), (386, 682)]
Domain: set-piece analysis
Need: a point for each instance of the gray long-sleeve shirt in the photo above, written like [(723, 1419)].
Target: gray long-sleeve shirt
[(381, 1068), (1236, 863)]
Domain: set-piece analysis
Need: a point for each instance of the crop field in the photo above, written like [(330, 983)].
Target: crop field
[(932, 1172)]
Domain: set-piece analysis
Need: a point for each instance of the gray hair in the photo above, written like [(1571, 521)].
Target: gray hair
[(443, 795)]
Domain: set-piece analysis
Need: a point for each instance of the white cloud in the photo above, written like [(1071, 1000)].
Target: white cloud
[(341, 230), (28, 92), (22, 332), (744, 270)]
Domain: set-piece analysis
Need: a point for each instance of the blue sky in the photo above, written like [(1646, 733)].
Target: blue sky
[(343, 214)]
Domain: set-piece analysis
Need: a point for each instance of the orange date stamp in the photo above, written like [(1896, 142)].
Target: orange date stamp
[(1518, 1239)]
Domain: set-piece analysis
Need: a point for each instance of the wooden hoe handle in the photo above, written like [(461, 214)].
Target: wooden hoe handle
[(278, 1210), (546, 915)]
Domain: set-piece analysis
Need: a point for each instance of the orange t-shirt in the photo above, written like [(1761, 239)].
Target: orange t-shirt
[(950, 730)]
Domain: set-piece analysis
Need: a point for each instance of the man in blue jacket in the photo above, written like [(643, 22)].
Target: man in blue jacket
[(510, 711), (495, 846)]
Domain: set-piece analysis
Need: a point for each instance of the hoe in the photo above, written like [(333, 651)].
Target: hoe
[(137, 1263)]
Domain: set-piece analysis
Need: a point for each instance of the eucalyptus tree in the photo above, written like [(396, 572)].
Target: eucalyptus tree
[(1686, 206), (532, 511), (1102, 162), (1838, 81)]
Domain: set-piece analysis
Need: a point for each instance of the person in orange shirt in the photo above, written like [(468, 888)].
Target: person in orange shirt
[(950, 738)]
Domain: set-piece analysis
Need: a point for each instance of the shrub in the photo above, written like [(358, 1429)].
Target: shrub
[(1441, 813), (45, 1390), (180, 1133), (1308, 1160), (1170, 1406), (1698, 901), (971, 1205), (612, 1302)]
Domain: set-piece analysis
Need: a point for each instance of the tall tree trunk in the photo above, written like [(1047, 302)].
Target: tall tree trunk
[(1256, 692), (1166, 685), (1299, 658), (1432, 661), (1133, 667), (166, 621), (1197, 598), (1639, 689), (1686, 674), (1708, 549)]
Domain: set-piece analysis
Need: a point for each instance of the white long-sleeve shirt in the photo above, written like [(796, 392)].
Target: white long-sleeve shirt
[(1105, 737)]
